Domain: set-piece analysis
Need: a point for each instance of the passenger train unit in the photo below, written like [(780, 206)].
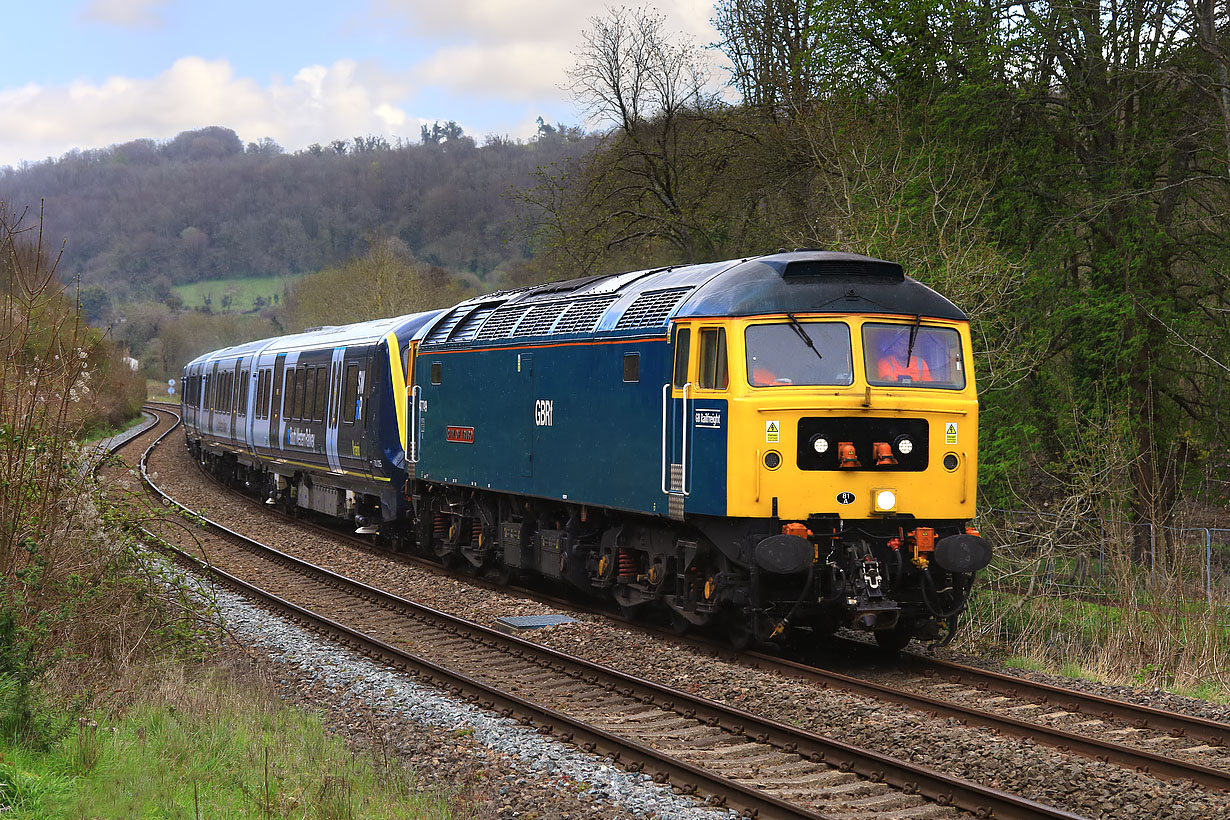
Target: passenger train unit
[(781, 443)]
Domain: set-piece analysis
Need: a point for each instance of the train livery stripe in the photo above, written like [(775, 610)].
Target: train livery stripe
[(399, 386)]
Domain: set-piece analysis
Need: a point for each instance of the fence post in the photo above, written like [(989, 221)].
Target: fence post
[(1208, 564)]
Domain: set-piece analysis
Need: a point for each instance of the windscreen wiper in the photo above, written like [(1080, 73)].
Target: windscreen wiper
[(798, 328), (913, 335)]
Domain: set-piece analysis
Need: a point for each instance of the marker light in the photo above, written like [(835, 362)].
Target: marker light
[(820, 444), (884, 500), (905, 445)]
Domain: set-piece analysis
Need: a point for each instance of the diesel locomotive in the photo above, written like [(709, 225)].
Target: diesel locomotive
[(780, 445)]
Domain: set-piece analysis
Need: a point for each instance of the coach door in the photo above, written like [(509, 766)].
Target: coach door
[(336, 368), (275, 403), (212, 394), (236, 386), (676, 429)]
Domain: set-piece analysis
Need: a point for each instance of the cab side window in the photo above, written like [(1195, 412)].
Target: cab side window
[(683, 349), (714, 372)]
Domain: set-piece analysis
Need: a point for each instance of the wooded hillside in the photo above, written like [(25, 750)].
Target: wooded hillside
[(143, 216)]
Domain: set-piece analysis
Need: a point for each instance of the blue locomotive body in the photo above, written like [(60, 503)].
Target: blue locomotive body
[(717, 440)]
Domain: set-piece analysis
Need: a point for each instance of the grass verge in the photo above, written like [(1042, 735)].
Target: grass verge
[(214, 745), (1185, 650)]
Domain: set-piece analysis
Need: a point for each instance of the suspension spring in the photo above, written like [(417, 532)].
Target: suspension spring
[(627, 565)]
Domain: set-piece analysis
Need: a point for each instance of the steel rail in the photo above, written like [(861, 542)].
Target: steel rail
[(1144, 761)]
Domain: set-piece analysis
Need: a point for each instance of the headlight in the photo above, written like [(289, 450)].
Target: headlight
[(950, 462), (820, 444), (905, 445), (772, 459), (885, 500)]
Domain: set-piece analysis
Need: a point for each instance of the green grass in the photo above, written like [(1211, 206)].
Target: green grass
[(243, 291), (1182, 649), (106, 432), (207, 749)]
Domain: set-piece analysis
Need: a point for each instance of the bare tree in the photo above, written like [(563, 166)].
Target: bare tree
[(662, 161)]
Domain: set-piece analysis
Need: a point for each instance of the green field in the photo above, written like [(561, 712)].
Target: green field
[(242, 292)]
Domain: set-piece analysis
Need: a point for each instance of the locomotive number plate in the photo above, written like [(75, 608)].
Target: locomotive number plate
[(463, 435)]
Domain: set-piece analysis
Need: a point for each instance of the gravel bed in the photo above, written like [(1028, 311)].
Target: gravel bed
[(1082, 786), (494, 765), (1156, 698)]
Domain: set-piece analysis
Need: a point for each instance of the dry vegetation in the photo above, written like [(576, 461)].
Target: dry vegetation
[(74, 605)]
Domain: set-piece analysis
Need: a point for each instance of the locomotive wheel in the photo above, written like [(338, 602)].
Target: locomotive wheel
[(678, 624), (895, 639), (500, 574), (746, 629)]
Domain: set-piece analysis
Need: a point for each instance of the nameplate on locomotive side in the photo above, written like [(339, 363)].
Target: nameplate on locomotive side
[(464, 435)]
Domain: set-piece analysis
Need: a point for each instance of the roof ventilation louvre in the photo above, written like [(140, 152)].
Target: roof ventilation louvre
[(468, 330), (540, 319), (439, 334), (501, 323), (582, 316), (652, 309)]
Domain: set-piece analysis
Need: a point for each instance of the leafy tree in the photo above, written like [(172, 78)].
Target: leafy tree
[(386, 281), (95, 303)]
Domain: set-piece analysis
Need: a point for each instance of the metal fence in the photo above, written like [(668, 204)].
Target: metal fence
[(1076, 552)]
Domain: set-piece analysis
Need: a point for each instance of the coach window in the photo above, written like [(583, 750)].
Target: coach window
[(632, 367), (435, 373), (350, 394), (714, 373), (683, 349), (301, 395), (288, 394), (322, 392)]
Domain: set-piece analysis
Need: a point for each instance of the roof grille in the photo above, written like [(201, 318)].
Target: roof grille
[(582, 316), (540, 319), (651, 309), (807, 268), (468, 330), (439, 333), (500, 325)]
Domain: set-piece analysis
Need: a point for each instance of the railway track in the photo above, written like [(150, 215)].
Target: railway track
[(759, 766), (1163, 744)]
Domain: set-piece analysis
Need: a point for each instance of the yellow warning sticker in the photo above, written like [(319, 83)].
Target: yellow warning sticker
[(950, 433), (772, 432)]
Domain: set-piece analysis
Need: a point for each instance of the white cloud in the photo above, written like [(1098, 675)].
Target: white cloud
[(319, 104), (128, 13), (522, 71), (518, 49)]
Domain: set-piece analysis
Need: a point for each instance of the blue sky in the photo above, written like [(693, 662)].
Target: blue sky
[(92, 73)]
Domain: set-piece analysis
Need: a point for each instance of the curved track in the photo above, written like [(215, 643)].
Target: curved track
[(1163, 744), (745, 761)]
